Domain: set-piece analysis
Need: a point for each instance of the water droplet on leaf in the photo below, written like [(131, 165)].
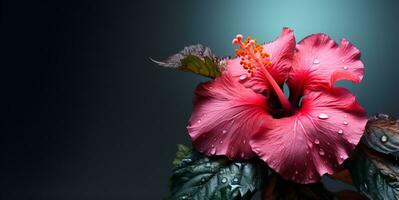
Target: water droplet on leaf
[(224, 180), (384, 138), (235, 180)]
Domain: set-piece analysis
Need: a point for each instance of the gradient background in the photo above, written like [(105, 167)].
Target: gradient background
[(87, 116)]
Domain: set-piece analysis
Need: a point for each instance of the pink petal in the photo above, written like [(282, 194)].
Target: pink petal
[(316, 140), (281, 52), (319, 63), (225, 116)]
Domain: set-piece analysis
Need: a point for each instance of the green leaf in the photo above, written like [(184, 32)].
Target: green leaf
[(374, 167), (182, 152), (197, 59), (382, 134), (199, 177)]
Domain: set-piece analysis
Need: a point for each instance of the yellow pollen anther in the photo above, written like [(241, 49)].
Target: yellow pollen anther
[(251, 54)]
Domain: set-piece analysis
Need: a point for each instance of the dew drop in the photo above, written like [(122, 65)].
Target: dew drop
[(345, 116), (321, 152), (245, 141), (221, 141), (296, 172), (310, 144), (316, 141), (242, 155), (384, 138), (345, 68), (199, 121), (224, 131), (203, 179), (213, 151), (323, 116), (224, 180), (243, 77), (341, 157), (340, 131), (345, 123), (235, 180), (307, 151), (315, 61)]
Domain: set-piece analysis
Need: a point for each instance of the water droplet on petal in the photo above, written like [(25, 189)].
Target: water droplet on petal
[(199, 121), (213, 151), (243, 77), (296, 172), (345, 123), (321, 152), (224, 131), (323, 116), (340, 131), (384, 138), (345, 68), (221, 141), (242, 155), (316, 141), (345, 116), (315, 61), (224, 180), (341, 157), (245, 141)]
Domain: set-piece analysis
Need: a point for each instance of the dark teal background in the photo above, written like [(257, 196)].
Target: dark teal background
[(88, 116)]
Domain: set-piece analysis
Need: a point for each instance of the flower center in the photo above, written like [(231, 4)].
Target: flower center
[(254, 58)]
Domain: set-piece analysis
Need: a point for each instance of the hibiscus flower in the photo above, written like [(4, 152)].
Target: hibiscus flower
[(245, 113)]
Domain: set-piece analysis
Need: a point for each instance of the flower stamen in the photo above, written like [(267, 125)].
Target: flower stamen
[(251, 53), (254, 58)]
